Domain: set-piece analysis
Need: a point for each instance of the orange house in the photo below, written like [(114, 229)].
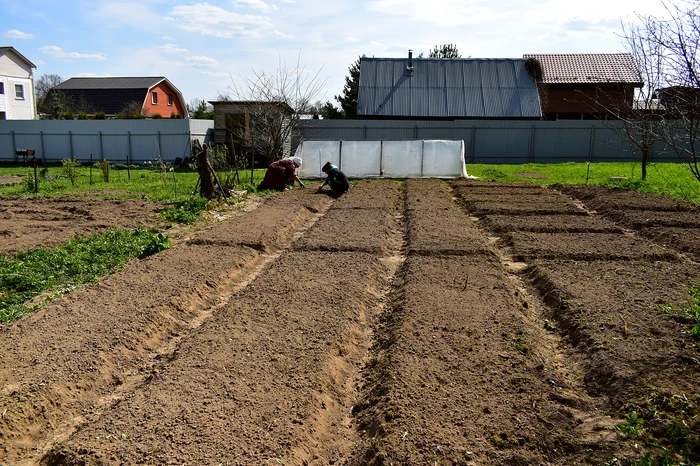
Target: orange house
[(155, 95)]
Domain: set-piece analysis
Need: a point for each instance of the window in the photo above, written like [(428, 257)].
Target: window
[(170, 99), (154, 98), (19, 91), (2, 87), (3, 116)]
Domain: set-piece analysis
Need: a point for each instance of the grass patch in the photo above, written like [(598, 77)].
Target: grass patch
[(669, 179), (144, 183), (186, 211), (58, 270)]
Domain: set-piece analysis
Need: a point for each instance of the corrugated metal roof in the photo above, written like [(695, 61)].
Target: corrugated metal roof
[(588, 68), (110, 83), (447, 88)]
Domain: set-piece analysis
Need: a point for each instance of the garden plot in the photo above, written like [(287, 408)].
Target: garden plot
[(436, 225), (549, 224), (584, 246), (669, 222), (28, 223), (269, 377), (613, 310), (64, 363), (381, 327)]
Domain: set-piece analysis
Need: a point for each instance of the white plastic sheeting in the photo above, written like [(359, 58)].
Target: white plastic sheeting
[(389, 159)]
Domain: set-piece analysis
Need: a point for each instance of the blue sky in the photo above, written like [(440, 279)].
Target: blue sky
[(204, 47)]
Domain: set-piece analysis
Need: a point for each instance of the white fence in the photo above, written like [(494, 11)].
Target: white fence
[(391, 159), (115, 140)]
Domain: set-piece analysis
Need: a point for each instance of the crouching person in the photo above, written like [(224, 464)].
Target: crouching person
[(280, 173), (335, 179)]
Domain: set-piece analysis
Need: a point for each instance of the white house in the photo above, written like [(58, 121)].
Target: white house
[(16, 86)]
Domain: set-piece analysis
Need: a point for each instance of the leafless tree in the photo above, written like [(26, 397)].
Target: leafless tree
[(674, 43), (272, 105)]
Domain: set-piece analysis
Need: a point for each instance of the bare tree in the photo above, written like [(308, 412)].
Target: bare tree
[(674, 43), (43, 85), (272, 105)]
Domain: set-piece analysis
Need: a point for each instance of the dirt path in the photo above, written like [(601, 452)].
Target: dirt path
[(405, 323)]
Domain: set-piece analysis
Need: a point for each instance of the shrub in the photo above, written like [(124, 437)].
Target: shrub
[(156, 116), (82, 116), (100, 115), (70, 169), (67, 115), (104, 167)]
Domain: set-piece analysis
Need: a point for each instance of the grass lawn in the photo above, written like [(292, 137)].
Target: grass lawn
[(141, 183), (670, 179)]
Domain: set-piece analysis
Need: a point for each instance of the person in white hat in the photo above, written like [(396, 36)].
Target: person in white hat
[(280, 172)]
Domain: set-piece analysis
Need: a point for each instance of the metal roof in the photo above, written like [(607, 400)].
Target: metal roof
[(5, 49), (447, 88), (588, 68), (110, 83)]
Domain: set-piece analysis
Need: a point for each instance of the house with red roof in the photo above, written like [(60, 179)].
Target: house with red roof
[(152, 95), (584, 86)]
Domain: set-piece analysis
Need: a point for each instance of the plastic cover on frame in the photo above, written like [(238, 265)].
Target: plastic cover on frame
[(389, 159)]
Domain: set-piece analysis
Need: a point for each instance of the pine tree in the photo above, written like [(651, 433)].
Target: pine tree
[(348, 99)]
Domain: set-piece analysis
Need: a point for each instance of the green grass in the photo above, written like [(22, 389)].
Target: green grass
[(669, 179), (58, 270), (145, 183)]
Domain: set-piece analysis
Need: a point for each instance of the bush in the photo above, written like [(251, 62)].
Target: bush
[(100, 115), (67, 115), (104, 167), (156, 116), (70, 169), (82, 116)]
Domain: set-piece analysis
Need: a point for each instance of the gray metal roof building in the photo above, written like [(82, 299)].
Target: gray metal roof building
[(452, 88)]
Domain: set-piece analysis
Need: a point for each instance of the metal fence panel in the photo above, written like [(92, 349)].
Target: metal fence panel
[(499, 141), (115, 140)]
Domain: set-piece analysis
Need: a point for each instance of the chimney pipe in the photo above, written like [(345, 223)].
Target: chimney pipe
[(410, 60)]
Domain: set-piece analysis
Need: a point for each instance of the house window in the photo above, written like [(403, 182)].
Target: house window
[(19, 91), (2, 87), (3, 116), (154, 98), (170, 99)]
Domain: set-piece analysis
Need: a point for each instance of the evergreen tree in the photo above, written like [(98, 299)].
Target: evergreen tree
[(348, 99), (445, 51)]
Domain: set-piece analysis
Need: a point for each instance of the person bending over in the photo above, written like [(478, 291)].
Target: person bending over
[(280, 173), (335, 179)]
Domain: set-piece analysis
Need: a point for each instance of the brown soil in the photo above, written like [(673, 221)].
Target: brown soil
[(10, 179), (27, 223), (390, 326)]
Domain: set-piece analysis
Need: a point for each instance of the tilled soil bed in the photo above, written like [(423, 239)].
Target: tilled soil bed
[(420, 323), (47, 222)]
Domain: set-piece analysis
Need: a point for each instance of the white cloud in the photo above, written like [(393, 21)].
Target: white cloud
[(172, 48), (202, 61), (168, 38), (255, 4), (352, 40), (213, 21), (60, 54), (19, 35)]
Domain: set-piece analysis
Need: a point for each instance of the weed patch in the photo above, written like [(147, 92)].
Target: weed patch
[(186, 211), (80, 261), (688, 315)]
